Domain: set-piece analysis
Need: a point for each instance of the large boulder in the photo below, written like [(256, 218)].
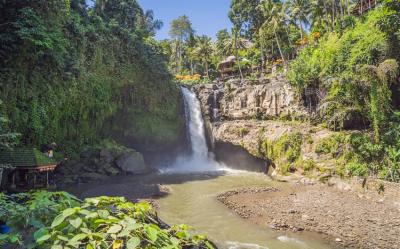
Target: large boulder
[(132, 163)]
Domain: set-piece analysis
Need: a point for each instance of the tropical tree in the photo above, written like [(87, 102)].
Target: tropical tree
[(223, 38), (181, 29), (204, 52), (246, 17), (150, 24), (299, 11), (274, 13)]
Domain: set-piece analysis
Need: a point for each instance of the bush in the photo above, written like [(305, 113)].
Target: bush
[(243, 131), (104, 222), (309, 165), (357, 169), (331, 145), (284, 152)]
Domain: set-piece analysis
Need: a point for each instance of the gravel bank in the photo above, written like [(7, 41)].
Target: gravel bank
[(346, 213)]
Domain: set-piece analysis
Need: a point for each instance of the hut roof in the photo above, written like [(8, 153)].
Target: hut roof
[(25, 158), (229, 61)]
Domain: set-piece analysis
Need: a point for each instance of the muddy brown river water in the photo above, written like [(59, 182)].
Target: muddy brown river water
[(192, 200), (195, 203)]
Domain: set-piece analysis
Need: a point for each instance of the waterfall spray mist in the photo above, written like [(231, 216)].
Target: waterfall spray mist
[(199, 160)]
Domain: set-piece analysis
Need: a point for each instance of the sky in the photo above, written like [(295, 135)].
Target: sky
[(207, 16)]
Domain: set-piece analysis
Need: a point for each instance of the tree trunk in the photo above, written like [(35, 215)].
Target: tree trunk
[(262, 60), (208, 77), (279, 47), (237, 57), (301, 30)]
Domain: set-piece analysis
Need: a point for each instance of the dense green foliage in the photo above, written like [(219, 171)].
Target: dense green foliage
[(355, 69), (284, 152), (70, 73), (59, 220)]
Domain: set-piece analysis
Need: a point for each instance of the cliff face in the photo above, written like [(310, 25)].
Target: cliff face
[(249, 99), (245, 115)]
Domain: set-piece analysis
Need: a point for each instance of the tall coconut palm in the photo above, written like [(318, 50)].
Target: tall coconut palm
[(204, 51), (299, 11), (274, 14)]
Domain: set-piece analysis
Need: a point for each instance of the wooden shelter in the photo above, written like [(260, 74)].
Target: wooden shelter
[(227, 67), (26, 165)]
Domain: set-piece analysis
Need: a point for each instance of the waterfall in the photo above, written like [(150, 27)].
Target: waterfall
[(195, 122), (200, 159)]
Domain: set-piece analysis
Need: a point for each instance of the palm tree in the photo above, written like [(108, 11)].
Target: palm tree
[(299, 10), (204, 51), (274, 14)]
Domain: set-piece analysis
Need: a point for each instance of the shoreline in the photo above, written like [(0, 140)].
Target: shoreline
[(341, 211)]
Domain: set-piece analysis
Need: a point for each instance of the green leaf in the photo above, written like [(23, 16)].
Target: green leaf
[(92, 215), (77, 238), (39, 233), (76, 222), (3, 237), (134, 226), (175, 241), (208, 244), (14, 238), (114, 229), (151, 233), (68, 212), (56, 247), (124, 233), (103, 214), (133, 243), (84, 212), (85, 230), (63, 238), (43, 238), (58, 220)]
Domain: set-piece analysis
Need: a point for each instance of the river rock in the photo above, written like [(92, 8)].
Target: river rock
[(106, 155), (132, 163)]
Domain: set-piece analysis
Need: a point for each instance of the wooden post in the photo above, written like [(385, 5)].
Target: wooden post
[(34, 179), (47, 179)]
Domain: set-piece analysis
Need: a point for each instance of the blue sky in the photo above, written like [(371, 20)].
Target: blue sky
[(207, 16)]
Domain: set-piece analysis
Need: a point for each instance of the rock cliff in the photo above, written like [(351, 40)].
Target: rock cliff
[(255, 115), (249, 99)]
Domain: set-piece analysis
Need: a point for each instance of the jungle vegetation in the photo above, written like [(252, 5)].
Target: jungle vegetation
[(74, 74)]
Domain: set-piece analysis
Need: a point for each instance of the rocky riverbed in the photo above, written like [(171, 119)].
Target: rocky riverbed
[(346, 213)]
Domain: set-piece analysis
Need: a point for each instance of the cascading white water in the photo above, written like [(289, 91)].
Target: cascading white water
[(199, 160), (196, 125)]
